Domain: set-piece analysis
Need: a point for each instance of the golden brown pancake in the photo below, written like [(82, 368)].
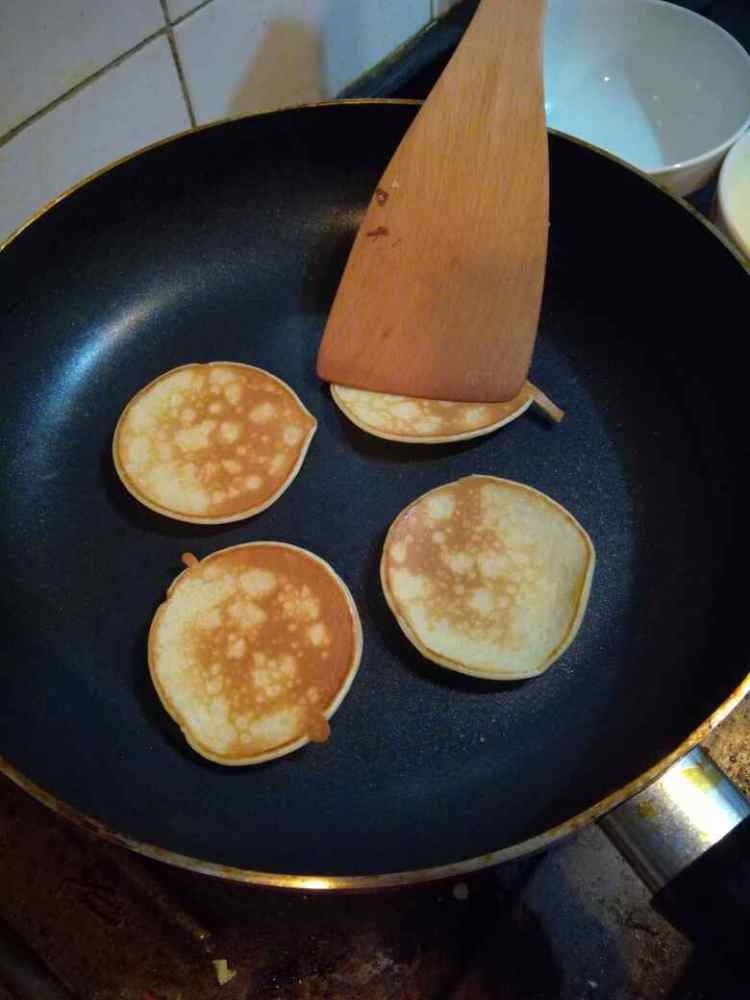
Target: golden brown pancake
[(428, 421), (488, 577), (254, 650), (212, 443)]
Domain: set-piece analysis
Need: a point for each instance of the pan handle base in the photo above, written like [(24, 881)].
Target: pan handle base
[(688, 838)]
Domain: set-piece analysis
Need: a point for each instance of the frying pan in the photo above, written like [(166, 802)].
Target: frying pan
[(227, 244)]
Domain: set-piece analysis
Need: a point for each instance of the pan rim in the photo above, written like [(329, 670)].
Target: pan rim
[(353, 101), (310, 883), (361, 883)]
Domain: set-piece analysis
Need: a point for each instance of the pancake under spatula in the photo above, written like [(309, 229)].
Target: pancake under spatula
[(434, 421), (212, 443), (488, 577), (253, 651)]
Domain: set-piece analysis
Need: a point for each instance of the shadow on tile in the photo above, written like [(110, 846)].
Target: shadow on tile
[(287, 69)]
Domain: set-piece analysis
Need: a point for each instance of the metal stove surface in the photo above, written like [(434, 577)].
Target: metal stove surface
[(82, 919)]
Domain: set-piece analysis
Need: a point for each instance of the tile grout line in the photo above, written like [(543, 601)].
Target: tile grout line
[(183, 17), (169, 27), (13, 132), (167, 31)]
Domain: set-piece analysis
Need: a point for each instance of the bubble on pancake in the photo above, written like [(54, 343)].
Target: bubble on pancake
[(318, 634), (276, 464), (426, 421), (242, 685), (441, 506), (212, 443), (500, 590), (262, 413), (398, 552), (229, 431)]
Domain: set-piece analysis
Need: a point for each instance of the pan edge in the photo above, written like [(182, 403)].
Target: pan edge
[(388, 880), (362, 883)]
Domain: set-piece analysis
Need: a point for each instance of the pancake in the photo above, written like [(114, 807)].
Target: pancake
[(254, 650), (433, 421), (488, 577), (212, 443)]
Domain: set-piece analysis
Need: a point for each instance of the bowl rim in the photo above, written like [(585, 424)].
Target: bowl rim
[(707, 155), (741, 239)]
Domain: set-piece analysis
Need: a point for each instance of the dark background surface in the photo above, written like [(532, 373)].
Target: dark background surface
[(414, 71)]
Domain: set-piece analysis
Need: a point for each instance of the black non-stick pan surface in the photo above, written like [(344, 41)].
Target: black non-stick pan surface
[(228, 245)]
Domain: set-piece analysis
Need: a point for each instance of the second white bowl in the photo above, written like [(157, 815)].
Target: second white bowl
[(733, 195)]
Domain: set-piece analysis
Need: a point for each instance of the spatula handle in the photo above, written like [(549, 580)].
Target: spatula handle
[(442, 291)]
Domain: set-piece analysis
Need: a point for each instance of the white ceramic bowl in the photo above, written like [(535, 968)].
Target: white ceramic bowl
[(733, 195), (655, 84)]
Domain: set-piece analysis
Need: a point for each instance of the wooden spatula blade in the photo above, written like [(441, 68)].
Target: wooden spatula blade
[(440, 297)]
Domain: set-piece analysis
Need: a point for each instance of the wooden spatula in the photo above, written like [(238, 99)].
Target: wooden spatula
[(441, 294)]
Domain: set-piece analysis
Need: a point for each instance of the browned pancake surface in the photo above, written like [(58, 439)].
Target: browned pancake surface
[(212, 443), (427, 421), (488, 576), (254, 650)]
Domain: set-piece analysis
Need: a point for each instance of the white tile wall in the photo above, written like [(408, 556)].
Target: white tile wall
[(135, 103), (83, 82), (49, 46), (179, 8), (241, 57)]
